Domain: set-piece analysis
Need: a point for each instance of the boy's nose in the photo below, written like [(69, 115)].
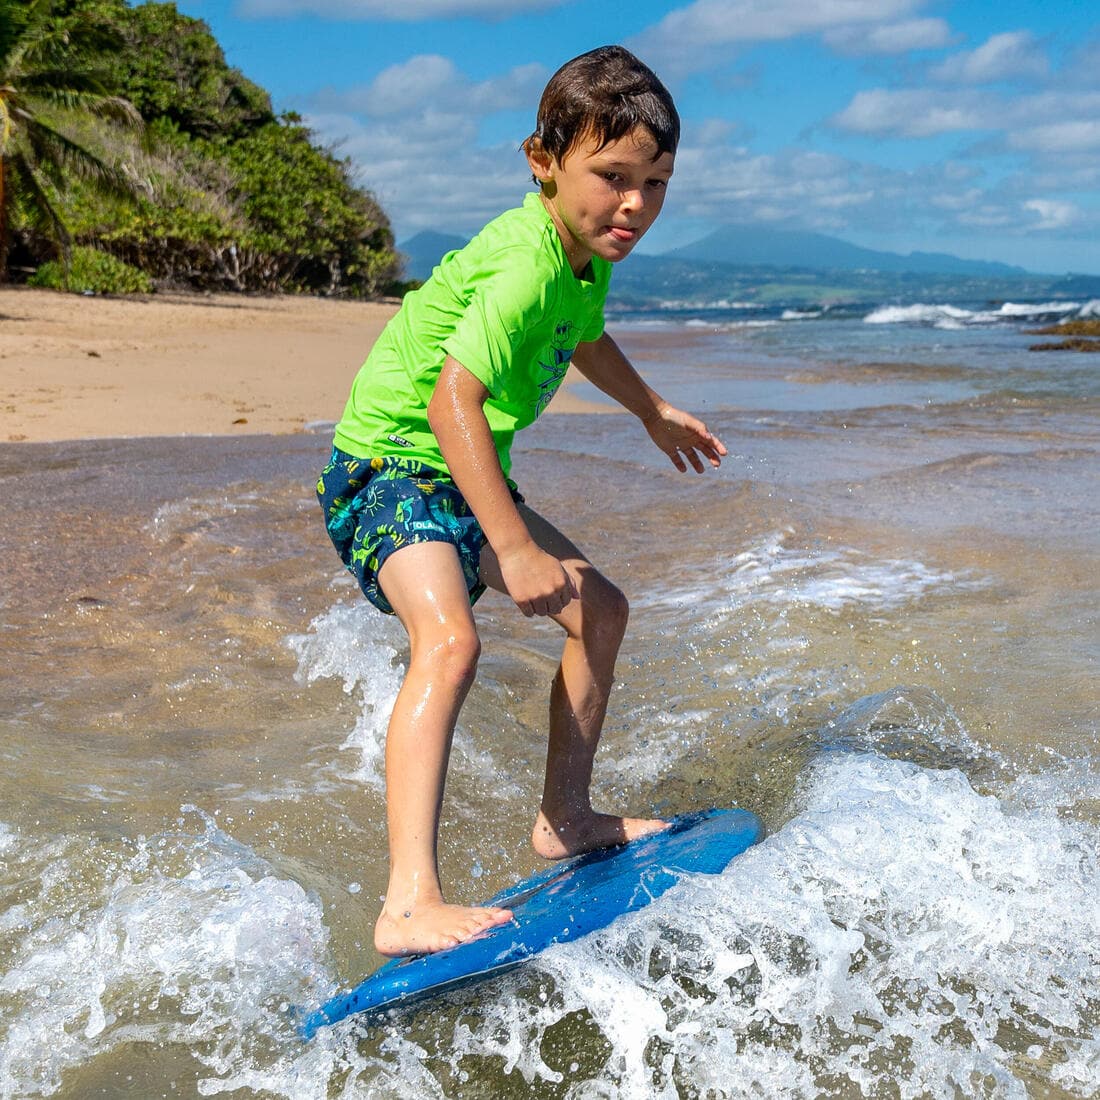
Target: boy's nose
[(633, 200)]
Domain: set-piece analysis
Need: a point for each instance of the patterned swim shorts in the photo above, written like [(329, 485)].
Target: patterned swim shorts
[(374, 506)]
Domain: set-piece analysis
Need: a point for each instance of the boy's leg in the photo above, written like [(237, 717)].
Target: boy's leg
[(594, 627), (425, 586)]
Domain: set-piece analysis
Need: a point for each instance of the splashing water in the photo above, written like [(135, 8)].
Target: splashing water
[(185, 938), (357, 645)]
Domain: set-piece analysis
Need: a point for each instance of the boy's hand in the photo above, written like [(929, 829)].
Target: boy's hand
[(680, 435), (536, 580)]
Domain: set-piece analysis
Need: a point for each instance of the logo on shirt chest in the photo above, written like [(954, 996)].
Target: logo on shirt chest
[(554, 363)]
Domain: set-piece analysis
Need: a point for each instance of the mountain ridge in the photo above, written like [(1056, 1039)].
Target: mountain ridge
[(750, 245), (719, 267)]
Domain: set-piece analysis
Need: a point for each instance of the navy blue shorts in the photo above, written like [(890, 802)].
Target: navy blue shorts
[(374, 506)]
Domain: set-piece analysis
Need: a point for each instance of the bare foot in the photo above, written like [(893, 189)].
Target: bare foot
[(582, 833), (430, 927)]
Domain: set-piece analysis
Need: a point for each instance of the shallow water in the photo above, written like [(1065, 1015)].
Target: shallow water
[(876, 626)]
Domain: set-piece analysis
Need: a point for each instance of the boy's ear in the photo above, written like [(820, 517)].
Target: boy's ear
[(538, 159)]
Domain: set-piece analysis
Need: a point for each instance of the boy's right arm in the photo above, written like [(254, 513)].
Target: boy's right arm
[(536, 581)]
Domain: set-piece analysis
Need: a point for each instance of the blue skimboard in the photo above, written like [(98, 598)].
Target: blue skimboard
[(569, 900)]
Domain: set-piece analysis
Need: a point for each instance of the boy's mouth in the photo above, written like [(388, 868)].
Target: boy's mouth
[(623, 234)]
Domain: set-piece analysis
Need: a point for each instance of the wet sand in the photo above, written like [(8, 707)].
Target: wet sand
[(76, 367)]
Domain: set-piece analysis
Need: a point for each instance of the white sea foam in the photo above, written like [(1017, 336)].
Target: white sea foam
[(1090, 309), (833, 578), (919, 314), (901, 933), (770, 602), (204, 513), (357, 645), (185, 938), (717, 303), (1027, 309), (800, 315), (946, 316), (727, 326)]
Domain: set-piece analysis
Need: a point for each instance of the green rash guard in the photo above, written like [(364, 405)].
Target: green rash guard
[(508, 308)]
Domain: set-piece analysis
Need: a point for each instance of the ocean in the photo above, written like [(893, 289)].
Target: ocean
[(875, 626)]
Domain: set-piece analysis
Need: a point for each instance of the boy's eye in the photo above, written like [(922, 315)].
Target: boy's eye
[(658, 183)]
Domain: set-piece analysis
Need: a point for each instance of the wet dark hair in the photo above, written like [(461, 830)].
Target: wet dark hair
[(604, 94)]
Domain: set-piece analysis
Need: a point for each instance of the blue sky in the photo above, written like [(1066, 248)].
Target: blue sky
[(969, 127)]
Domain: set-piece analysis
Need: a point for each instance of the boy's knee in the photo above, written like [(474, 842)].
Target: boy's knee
[(450, 655), (606, 607), (619, 610)]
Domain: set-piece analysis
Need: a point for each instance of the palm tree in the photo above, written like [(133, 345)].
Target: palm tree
[(46, 76)]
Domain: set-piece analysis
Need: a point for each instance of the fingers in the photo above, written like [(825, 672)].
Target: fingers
[(696, 456), (685, 437), (552, 602)]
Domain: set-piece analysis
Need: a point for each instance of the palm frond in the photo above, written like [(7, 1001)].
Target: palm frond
[(55, 151), (40, 209), (50, 85), (85, 98)]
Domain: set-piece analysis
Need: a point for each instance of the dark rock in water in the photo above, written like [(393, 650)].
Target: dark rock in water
[(1075, 343)]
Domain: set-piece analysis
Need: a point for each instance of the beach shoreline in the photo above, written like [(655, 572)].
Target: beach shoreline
[(175, 364)]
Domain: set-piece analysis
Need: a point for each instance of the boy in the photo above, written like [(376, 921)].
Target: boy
[(417, 499)]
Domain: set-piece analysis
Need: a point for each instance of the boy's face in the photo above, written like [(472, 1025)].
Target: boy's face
[(603, 200)]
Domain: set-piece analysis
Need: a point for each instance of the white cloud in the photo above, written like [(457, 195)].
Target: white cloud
[(912, 112), (957, 201), (1008, 56), (989, 215), (1069, 136), (890, 38), (693, 38), (1046, 122), (429, 81), (429, 172), (414, 133), (407, 11), (1053, 213), (418, 132), (409, 87), (731, 184)]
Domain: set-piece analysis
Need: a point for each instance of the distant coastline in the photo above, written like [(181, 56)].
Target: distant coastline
[(805, 270)]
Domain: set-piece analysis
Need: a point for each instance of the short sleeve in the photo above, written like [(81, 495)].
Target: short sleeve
[(504, 303)]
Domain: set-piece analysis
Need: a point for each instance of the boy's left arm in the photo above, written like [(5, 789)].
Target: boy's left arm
[(679, 434)]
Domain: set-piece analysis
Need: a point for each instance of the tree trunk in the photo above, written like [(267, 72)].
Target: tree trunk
[(3, 221)]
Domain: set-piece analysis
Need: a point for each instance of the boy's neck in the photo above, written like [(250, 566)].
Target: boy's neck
[(577, 256)]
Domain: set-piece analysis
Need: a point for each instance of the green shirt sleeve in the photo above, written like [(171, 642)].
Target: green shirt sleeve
[(506, 301)]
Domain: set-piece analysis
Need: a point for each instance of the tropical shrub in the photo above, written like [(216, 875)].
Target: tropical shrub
[(90, 271)]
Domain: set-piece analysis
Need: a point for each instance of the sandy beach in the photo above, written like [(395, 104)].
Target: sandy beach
[(75, 367)]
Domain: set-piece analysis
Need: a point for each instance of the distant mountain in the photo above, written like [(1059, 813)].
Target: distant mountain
[(745, 245), (424, 250), (778, 267)]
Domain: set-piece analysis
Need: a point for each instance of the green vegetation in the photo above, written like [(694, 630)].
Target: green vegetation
[(48, 71), (232, 197), (92, 271)]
